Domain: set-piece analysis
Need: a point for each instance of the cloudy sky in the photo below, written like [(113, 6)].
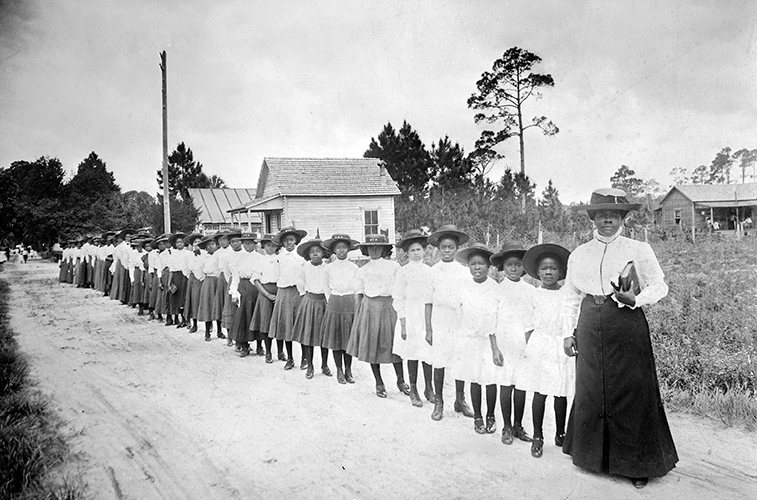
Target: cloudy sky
[(650, 84)]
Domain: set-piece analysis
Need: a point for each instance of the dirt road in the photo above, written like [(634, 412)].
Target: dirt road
[(159, 413)]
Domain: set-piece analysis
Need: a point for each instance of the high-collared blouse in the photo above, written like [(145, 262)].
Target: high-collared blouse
[(594, 264), (316, 278), (269, 268), (341, 274), (516, 304), (209, 266), (290, 270), (245, 266), (479, 308), (413, 282), (447, 279), (376, 278), (179, 260), (153, 261)]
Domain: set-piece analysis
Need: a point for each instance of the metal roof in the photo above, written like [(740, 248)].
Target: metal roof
[(714, 193), (213, 204)]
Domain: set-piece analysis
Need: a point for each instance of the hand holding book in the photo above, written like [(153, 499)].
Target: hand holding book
[(628, 287)]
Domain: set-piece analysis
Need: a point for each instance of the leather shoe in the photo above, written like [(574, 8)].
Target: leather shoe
[(268, 358), (348, 376), (478, 425), (559, 439), (462, 407), (289, 365), (207, 337), (326, 371), (403, 387), (507, 435), (381, 391), (220, 335), (282, 356), (491, 425), (520, 433), (243, 353), (428, 393), (309, 373), (438, 412), (193, 329), (537, 447), (639, 482), (304, 364), (340, 377)]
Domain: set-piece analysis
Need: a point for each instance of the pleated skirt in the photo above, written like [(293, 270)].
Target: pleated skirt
[(161, 305), (206, 310), (176, 299), (137, 293), (229, 308), (192, 301), (69, 272), (115, 285), (80, 273), (222, 291), (124, 288), (240, 327), (261, 316), (309, 319), (283, 315), (147, 294), (62, 272), (372, 335), (107, 277), (337, 322), (154, 290)]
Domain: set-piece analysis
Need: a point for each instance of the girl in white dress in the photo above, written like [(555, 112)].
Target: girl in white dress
[(514, 321), (544, 369), (412, 291)]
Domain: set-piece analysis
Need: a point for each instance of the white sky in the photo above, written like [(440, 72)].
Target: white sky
[(649, 84)]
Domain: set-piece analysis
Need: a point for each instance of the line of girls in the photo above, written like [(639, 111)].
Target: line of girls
[(444, 317)]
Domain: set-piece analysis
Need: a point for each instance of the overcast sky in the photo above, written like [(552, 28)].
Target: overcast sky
[(649, 84)]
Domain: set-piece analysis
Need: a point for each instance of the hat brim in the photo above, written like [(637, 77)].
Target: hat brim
[(534, 254), (498, 258), (304, 248), (460, 236), (188, 239), (329, 244), (464, 255), (406, 242), (172, 239), (297, 233), (620, 207)]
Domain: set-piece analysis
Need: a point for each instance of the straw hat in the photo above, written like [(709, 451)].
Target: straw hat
[(509, 249), (190, 238), (122, 234), (248, 237), (448, 230), (375, 240), (270, 237), (336, 238), (298, 233), (464, 255), (175, 236), (412, 236), (537, 253), (205, 240), (303, 249), (607, 199)]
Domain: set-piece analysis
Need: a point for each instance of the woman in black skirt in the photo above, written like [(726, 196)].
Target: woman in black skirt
[(266, 285), (617, 424), (244, 271)]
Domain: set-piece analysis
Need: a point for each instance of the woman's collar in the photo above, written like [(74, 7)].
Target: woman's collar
[(608, 239)]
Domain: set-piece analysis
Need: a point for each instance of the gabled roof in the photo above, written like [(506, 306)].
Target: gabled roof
[(214, 203), (704, 193), (324, 177)]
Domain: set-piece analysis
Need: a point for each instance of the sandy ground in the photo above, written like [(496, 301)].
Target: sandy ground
[(157, 412)]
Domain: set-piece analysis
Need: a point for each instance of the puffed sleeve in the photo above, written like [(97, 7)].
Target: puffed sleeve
[(653, 286)]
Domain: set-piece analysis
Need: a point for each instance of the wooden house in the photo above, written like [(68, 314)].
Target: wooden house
[(709, 206), (214, 204), (324, 196)]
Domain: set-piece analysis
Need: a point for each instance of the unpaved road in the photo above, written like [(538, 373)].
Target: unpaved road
[(159, 413)]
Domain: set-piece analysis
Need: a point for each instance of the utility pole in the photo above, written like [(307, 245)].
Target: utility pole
[(166, 201)]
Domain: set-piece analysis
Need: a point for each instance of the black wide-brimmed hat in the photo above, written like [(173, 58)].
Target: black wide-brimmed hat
[(249, 237), (205, 240), (163, 238), (464, 255), (537, 253), (124, 233), (412, 236), (608, 199), (190, 238), (270, 237), (336, 238), (147, 241), (375, 240), (447, 231), (175, 236), (303, 249), (297, 233), (509, 249), (136, 242)]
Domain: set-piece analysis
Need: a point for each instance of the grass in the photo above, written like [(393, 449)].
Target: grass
[(32, 446)]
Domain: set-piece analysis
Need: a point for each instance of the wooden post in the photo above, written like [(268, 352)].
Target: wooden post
[(712, 220), (693, 224), (166, 200), (736, 225)]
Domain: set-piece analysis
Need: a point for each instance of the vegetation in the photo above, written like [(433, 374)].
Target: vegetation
[(31, 444)]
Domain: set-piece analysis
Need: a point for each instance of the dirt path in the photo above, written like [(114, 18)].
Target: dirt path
[(159, 413)]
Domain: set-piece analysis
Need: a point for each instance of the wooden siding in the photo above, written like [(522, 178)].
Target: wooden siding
[(675, 200), (338, 215)]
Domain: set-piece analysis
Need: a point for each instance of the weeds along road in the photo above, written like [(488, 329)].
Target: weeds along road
[(157, 412)]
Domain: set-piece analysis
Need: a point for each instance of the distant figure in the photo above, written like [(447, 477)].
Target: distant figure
[(25, 254), (716, 226)]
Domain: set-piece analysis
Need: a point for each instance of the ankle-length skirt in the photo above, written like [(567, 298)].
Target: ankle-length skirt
[(283, 315), (192, 300), (177, 298), (136, 295), (206, 310), (372, 335), (240, 327), (261, 316)]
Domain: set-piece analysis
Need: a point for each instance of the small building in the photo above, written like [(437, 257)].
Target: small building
[(214, 204), (324, 196), (709, 206)]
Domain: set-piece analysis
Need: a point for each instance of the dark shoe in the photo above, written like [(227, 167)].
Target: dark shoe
[(428, 393), (639, 482), (403, 387), (414, 397), (507, 435), (183, 324), (193, 329), (520, 433), (478, 425), (207, 337), (268, 358), (289, 365), (169, 322), (559, 439), (326, 371), (151, 316), (309, 373), (260, 351), (381, 391), (462, 407), (243, 353), (438, 412), (537, 447), (220, 335), (304, 364), (348, 376), (340, 377), (491, 425), (237, 348), (229, 342), (282, 356)]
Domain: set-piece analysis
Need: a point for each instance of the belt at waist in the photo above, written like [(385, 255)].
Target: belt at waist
[(317, 296), (598, 299)]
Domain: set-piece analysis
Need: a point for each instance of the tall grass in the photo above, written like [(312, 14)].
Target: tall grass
[(32, 446)]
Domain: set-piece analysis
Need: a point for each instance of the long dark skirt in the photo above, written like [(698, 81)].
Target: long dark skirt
[(617, 423), (176, 299), (115, 285), (206, 310), (96, 275), (240, 327), (69, 272), (337, 322), (309, 319), (161, 305), (284, 310), (154, 290), (107, 277), (261, 316), (136, 295), (229, 307), (148, 282), (124, 288), (222, 290), (80, 272), (90, 274), (62, 272), (372, 335), (192, 302)]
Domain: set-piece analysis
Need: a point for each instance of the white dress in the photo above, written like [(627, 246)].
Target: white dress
[(447, 279), (515, 318), (413, 289), (472, 360), (544, 367)]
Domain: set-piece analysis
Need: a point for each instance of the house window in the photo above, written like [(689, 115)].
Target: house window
[(371, 222), (677, 216), (273, 222)]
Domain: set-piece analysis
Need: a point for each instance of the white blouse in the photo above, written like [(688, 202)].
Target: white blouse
[(290, 270), (179, 260), (479, 304), (376, 278), (447, 278), (413, 281), (516, 298), (594, 264), (341, 274), (245, 266), (209, 266), (269, 268), (316, 278)]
